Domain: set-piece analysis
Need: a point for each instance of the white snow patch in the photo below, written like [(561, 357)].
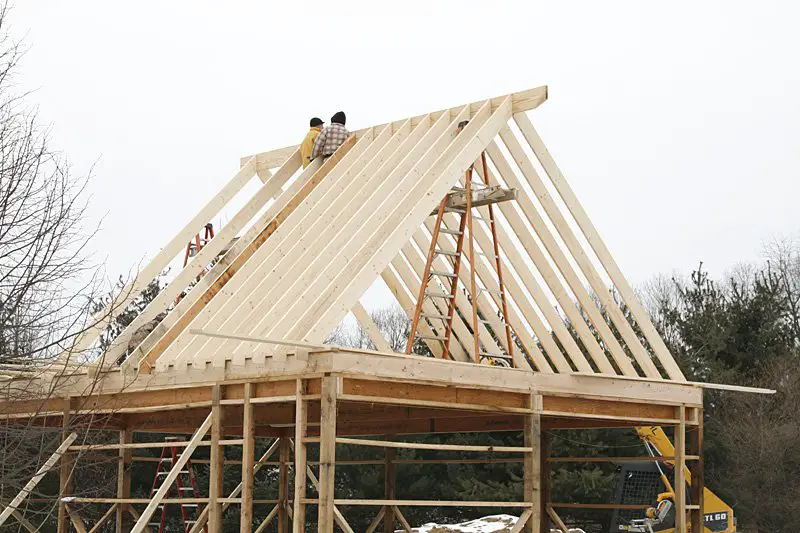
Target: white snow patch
[(488, 524)]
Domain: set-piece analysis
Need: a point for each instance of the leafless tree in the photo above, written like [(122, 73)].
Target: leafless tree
[(47, 277)]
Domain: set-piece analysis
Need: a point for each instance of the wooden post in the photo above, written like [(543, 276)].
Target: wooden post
[(327, 453), (300, 463), (123, 478), (698, 476), (545, 488), (389, 492), (680, 472), (248, 461), (535, 465), (283, 488), (217, 453), (65, 474)]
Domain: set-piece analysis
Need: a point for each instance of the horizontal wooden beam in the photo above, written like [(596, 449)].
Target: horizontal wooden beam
[(494, 194), (421, 503), (699, 384), (424, 446), (637, 459), (599, 505)]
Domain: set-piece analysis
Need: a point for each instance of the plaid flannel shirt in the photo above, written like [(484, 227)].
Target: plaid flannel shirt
[(330, 138)]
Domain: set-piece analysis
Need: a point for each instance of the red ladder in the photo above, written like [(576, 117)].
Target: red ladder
[(447, 280), (186, 483)]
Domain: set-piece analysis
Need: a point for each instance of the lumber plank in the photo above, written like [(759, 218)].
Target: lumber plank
[(371, 328)]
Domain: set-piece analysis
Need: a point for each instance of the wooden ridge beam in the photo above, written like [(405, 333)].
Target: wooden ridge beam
[(521, 101)]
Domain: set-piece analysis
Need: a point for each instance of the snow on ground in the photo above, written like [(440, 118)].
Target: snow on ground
[(488, 524)]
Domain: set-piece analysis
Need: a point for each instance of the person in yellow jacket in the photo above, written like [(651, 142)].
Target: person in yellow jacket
[(308, 143)]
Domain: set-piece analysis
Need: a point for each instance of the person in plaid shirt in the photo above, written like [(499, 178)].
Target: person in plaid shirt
[(331, 137)]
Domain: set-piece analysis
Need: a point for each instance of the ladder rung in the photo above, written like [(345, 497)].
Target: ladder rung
[(481, 218), (439, 295), (458, 210), (443, 274), (450, 231), (186, 488), (445, 252), (433, 337), (440, 317), (486, 254), (188, 505)]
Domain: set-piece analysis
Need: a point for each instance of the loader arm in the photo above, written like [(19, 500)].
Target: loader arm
[(718, 514)]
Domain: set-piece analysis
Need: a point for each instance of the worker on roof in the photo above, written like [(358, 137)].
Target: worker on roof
[(308, 143), (331, 137)]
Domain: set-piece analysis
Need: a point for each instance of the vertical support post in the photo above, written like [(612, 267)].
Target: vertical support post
[(217, 453), (300, 459), (327, 453), (697, 474), (389, 492), (283, 487), (65, 474), (545, 488), (123, 478), (680, 472), (534, 465), (248, 462)]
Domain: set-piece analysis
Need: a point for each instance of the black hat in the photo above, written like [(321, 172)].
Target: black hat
[(316, 122), (339, 118)]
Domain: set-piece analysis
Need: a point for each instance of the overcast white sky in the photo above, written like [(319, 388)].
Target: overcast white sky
[(678, 124)]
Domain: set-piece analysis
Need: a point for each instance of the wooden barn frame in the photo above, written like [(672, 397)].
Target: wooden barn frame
[(242, 356)]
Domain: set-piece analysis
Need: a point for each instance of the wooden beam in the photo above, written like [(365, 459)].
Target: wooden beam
[(217, 467), (48, 465), (376, 521), (424, 503), (141, 522), (389, 488), (680, 472), (300, 458), (283, 485), (371, 328), (327, 453), (124, 463), (697, 475), (402, 519), (532, 467), (521, 101), (557, 519), (425, 446), (523, 521), (248, 463), (493, 194), (541, 522), (105, 518), (65, 473)]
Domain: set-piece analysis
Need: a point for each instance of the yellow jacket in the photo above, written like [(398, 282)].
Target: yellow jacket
[(308, 145)]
